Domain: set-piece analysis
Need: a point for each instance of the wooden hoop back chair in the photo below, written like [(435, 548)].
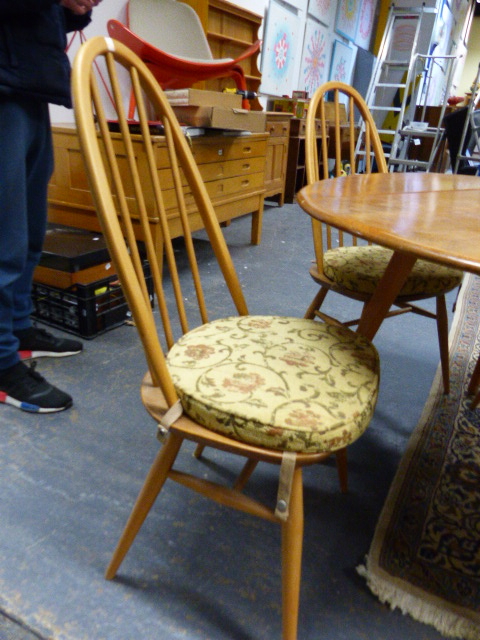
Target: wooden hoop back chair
[(168, 36), (286, 391), (342, 263)]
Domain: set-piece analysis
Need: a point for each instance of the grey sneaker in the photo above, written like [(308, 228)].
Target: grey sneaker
[(39, 343), (26, 389)]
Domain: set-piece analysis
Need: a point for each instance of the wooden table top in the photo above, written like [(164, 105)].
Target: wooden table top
[(430, 215)]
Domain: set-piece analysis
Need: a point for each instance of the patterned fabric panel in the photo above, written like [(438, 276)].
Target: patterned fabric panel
[(283, 383), (360, 268)]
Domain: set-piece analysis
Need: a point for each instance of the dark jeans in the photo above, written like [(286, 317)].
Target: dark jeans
[(26, 164)]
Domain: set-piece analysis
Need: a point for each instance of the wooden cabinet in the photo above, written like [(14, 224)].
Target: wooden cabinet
[(230, 30), (296, 176), (232, 167), (278, 127)]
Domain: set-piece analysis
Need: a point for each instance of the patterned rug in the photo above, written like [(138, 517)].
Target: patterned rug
[(425, 555)]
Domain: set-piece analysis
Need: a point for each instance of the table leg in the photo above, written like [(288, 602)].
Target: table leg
[(387, 291)]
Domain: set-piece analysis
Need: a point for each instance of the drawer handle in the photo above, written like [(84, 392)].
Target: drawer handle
[(245, 184), (247, 149), (246, 166)]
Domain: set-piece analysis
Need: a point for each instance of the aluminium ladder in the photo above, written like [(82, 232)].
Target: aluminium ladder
[(401, 80), (428, 83), (388, 82)]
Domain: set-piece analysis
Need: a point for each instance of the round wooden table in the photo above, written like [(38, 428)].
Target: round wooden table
[(418, 215)]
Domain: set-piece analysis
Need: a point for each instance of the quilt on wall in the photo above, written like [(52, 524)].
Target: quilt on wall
[(366, 19), (323, 11), (347, 17), (342, 62), (441, 45), (300, 48), (315, 57), (280, 47)]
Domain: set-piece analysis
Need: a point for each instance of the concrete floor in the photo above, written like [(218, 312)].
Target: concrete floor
[(196, 571)]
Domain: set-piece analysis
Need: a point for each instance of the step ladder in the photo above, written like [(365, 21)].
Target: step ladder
[(387, 97), (420, 123)]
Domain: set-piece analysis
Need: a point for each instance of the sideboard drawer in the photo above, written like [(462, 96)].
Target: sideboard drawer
[(232, 168)]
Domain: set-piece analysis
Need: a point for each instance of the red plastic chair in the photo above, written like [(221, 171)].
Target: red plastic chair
[(168, 36)]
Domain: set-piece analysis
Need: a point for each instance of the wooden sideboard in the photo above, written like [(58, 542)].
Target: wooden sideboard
[(278, 127), (233, 169)]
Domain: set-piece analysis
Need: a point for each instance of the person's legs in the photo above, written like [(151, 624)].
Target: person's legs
[(38, 167), (26, 168), (15, 134), (36, 342), (26, 163)]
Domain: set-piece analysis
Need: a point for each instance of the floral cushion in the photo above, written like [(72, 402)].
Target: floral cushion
[(285, 383), (360, 268)]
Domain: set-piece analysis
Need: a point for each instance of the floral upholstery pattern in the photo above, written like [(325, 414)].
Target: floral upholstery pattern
[(360, 268), (284, 383)]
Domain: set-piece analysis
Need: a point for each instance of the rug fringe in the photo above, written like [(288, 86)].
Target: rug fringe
[(448, 623)]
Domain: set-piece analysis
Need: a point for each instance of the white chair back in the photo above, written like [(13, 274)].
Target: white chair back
[(171, 26)]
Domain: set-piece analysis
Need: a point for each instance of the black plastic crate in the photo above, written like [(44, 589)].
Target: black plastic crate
[(86, 310)]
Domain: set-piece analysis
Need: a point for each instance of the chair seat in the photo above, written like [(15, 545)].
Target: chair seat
[(283, 383), (359, 269)]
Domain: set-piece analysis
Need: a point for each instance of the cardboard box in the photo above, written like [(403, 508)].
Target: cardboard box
[(72, 256), (219, 118), (202, 98), (85, 310), (66, 279), (298, 107), (302, 95), (330, 112)]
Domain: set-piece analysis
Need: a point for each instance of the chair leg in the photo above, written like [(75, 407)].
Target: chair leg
[(316, 303), (292, 542), (475, 379), (342, 469), (442, 328), (475, 401), (198, 451), (151, 488), (245, 475)]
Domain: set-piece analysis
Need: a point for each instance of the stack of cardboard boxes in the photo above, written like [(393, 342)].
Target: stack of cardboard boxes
[(75, 285), (214, 109)]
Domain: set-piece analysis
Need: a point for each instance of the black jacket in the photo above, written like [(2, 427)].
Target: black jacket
[(33, 62)]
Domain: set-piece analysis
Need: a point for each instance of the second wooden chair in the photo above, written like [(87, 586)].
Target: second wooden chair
[(344, 264)]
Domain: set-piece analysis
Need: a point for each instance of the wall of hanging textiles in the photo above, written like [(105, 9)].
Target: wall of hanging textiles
[(307, 42)]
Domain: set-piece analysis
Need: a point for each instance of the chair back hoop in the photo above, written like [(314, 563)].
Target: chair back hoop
[(338, 151), (134, 198), (171, 26)]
